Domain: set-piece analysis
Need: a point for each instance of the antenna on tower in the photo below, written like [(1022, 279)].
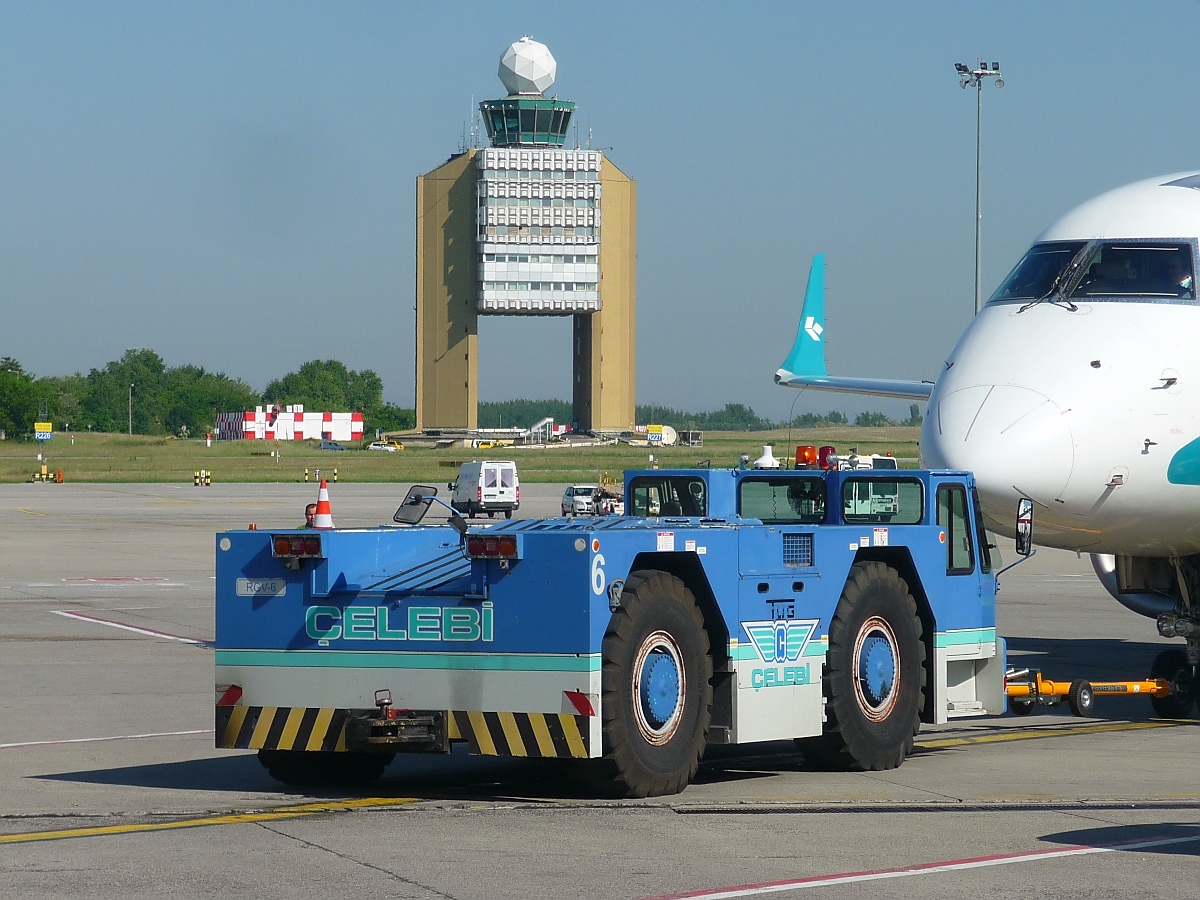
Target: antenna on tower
[(589, 134)]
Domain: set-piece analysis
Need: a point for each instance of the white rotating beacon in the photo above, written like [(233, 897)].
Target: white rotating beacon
[(1078, 387)]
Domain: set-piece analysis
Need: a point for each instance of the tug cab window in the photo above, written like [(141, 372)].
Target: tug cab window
[(952, 517), (669, 495), (895, 501), (778, 501)]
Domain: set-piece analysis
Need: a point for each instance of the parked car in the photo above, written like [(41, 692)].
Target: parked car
[(489, 486), (580, 500), (385, 446), (330, 445)]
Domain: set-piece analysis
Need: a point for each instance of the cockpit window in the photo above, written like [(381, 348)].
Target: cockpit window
[(1137, 270), (1102, 270), (1034, 276)]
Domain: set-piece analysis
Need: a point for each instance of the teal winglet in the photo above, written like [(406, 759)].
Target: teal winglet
[(808, 353)]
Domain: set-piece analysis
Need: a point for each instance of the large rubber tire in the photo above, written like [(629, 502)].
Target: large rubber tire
[(874, 678), (657, 687), (1172, 665), (1021, 707), (508, 514), (320, 769)]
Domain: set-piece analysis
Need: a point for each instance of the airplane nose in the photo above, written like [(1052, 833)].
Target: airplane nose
[(1016, 441)]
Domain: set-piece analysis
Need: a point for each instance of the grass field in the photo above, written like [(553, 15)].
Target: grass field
[(120, 458)]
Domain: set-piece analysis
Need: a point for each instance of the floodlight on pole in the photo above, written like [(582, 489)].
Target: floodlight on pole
[(968, 77)]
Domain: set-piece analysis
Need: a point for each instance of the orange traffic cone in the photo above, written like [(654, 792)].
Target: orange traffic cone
[(324, 518)]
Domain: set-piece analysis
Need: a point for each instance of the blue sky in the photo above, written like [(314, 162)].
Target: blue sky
[(233, 184)]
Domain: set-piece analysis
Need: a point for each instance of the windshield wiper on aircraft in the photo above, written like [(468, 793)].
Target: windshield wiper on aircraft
[(1066, 281)]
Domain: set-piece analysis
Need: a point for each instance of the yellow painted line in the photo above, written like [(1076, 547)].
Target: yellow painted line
[(574, 739), (274, 815), (32, 512), (1031, 734), (542, 733), (508, 723)]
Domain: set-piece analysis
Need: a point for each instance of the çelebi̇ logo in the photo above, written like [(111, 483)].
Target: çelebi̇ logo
[(781, 641), (463, 624), (813, 327)]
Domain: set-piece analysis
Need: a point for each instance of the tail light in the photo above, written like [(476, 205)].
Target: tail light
[(479, 494), (518, 495), (480, 546), (297, 546)]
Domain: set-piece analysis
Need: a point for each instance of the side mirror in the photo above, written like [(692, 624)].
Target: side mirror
[(1024, 537), (458, 523), (449, 485), (416, 504)]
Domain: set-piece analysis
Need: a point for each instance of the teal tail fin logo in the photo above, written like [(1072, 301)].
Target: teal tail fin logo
[(808, 353)]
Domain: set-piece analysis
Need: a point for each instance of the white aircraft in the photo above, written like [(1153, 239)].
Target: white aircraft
[(1078, 386)]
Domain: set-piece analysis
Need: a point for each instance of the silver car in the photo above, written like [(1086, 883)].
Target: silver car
[(580, 500)]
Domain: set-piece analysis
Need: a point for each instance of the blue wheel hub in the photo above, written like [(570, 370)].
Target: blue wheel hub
[(659, 694), (877, 669)]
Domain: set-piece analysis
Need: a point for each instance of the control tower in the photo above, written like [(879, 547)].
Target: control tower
[(526, 227)]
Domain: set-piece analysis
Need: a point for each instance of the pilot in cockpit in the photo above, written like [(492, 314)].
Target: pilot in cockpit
[(1177, 275)]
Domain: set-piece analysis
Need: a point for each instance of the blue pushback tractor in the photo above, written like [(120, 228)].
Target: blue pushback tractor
[(839, 608)]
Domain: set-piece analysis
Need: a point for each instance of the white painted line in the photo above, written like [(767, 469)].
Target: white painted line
[(97, 740), (983, 862), (147, 631)]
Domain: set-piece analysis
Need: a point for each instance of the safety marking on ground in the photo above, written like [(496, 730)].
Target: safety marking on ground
[(284, 812), (1032, 734), (96, 620), (32, 512), (117, 580), (100, 740), (957, 865)]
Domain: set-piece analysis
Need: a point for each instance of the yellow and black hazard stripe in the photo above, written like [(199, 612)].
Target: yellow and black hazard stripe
[(544, 735), (281, 728), (535, 735)]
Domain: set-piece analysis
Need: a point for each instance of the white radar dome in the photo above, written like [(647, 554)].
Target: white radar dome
[(527, 67)]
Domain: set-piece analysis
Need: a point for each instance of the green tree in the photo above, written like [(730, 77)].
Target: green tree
[(390, 417), (18, 398), (192, 395), (914, 415), (732, 417), (109, 399), (523, 413), (872, 420), (326, 385), (816, 420)]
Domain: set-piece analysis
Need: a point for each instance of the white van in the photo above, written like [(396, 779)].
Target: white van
[(490, 486)]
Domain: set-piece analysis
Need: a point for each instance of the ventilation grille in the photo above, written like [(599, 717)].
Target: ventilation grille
[(797, 549)]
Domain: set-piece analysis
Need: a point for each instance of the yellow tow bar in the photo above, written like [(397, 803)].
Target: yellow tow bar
[(1028, 688)]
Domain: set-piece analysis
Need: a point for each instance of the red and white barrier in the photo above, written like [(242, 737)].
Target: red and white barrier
[(290, 423)]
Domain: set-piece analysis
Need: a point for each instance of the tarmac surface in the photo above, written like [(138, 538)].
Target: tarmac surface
[(110, 785)]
